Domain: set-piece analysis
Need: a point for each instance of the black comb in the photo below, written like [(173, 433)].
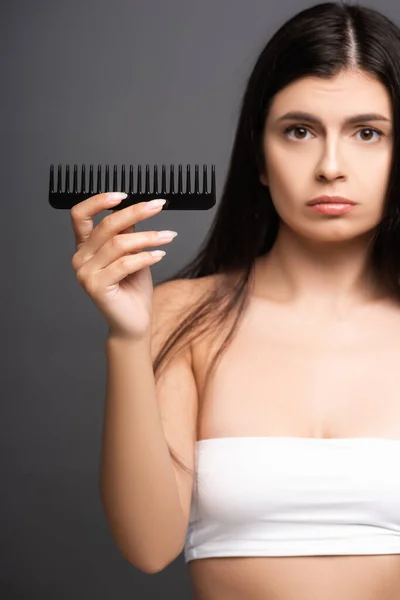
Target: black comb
[(176, 200)]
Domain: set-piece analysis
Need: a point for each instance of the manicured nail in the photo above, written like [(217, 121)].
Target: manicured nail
[(115, 196), (153, 204)]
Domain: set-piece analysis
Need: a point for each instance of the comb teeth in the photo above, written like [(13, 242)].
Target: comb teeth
[(176, 200)]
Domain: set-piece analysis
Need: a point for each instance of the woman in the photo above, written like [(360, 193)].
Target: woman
[(285, 481)]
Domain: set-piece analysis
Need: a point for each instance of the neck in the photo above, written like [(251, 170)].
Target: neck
[(325, 277)]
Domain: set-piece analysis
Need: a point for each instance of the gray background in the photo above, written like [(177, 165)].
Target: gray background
[(94, 82)]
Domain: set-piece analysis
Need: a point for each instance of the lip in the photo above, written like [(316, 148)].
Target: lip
[(328, 208), (330, 200)]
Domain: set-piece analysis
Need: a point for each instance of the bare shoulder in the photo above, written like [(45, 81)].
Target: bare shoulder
[(178, 291), (173, 299), (174, 295)]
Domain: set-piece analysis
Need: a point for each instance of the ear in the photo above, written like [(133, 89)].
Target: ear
[(264, 179)]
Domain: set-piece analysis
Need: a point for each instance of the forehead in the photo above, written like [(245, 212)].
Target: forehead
[(346, 94)]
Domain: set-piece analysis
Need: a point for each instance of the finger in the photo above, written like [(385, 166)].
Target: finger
[(119, 246), (130, 229), (126, 265), (82, 214), (112, 225)]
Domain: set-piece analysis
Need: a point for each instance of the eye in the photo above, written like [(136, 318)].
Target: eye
[(294, 128), (302, 128), (372, 130)]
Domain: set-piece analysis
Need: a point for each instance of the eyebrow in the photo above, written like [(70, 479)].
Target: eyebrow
[(304, 116)]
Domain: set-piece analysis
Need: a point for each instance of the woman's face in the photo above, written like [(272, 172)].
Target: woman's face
[(331, 157)]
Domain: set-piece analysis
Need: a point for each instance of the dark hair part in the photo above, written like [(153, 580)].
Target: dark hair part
[(321, 41)]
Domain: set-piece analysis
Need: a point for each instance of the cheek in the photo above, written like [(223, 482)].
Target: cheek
[(372, 179), (284, 169), (290, 177)]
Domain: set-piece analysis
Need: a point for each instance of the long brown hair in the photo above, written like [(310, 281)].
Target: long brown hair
[(320, 41)]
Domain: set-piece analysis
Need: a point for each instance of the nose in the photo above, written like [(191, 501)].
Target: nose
[(331, 166)]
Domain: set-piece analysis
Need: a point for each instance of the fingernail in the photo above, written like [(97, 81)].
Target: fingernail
[(154, 204), (114, 196)]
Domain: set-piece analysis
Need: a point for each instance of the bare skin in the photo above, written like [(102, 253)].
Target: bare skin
[(320, 342), (362, 402)]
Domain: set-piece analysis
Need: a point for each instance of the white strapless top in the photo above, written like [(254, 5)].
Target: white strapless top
[(289, 496)]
